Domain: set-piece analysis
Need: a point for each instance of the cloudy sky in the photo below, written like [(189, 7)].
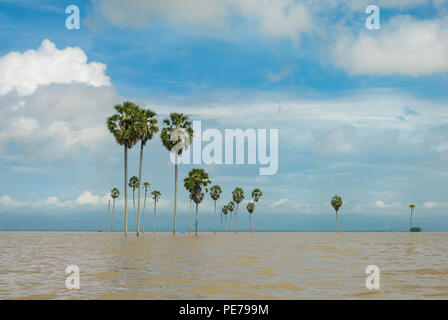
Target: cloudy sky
[(361, 113)]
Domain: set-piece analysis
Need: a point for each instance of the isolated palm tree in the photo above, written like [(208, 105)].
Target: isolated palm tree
[(250, 209), (411, 207), (198, 178), (108, 215), (231, 207), (336, 203), (256, 196), (134, 184), (147, 126), (238, 196), (115, 193), (176, 137), (146, 186), (188, 185), (215, 193), (225, 211), (156, 196), (123, 127)]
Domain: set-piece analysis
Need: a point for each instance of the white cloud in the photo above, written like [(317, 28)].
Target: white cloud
[(339, 141), (88, 198), (404, 46), (280, 202), (25, 72), (431, 204), (381, 204)]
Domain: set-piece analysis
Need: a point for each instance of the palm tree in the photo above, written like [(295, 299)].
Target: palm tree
[(256, 195), (250, 209), (231, 207), (122, 126), (146, 186), (147, 125), (108, 215), (189, 187), (156, 196), (238, 196), (175, 142), (411, 207), (134, 183), (225, 211), (115, 193), (215, 193), (198, 178), (336, 203)]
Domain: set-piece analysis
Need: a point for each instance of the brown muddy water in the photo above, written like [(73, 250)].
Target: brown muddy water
[(223, 266)]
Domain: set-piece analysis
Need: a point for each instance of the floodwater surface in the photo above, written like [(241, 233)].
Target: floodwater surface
[(223, 265)]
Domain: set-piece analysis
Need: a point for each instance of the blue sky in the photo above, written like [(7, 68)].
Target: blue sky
[(360, 113)]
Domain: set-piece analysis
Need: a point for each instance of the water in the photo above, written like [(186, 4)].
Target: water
[(223, 266)]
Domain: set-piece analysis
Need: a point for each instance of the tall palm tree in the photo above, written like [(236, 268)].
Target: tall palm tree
[(146, 186), (256, 195), (175, 142), (108, 215), (225, 211), (336, 203), (198, 178), (238, 196), (115, 193), (215, 193), (250, 209), (134, 183), (123, 127), (411, 207), (188, 185), (147, 125), (231, 207), (156, 196)]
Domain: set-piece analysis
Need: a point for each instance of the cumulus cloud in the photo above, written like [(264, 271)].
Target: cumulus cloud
[(280, 202), (404, 46), (25, 72)]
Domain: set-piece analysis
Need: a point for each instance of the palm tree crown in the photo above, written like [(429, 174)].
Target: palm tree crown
[(256, 194), (238, 195), (215, 192), (115, 193), (171, 138), (156, 195), (250, 207), (197, 178), (134, 183), (123, 124), (336, 203)]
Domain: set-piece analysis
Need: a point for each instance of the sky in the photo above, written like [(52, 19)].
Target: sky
[(360, 113)]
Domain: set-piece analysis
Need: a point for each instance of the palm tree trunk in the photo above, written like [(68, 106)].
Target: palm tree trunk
[(175, 194), (250, 221), (113, 213), (253, 217), (236, 219), (189, 227), (108, 216), (143, 214), (226, 224), (154, 219), (411, 221), (336, 222), (125, 190), (215, 216), (133, 200), (196, 219), (139, 186)]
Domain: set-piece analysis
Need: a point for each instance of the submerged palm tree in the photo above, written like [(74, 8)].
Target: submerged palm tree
[(123, 127), (336, 203), (198, 179), (189, 187), (256, 195), (215, 193), (238, 196), (411, 207), (231, 207), (134, 184), (176, 137), (225, 211), (250, 209), (146, 186), (147, 126), (115, 193), (156, 196)]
